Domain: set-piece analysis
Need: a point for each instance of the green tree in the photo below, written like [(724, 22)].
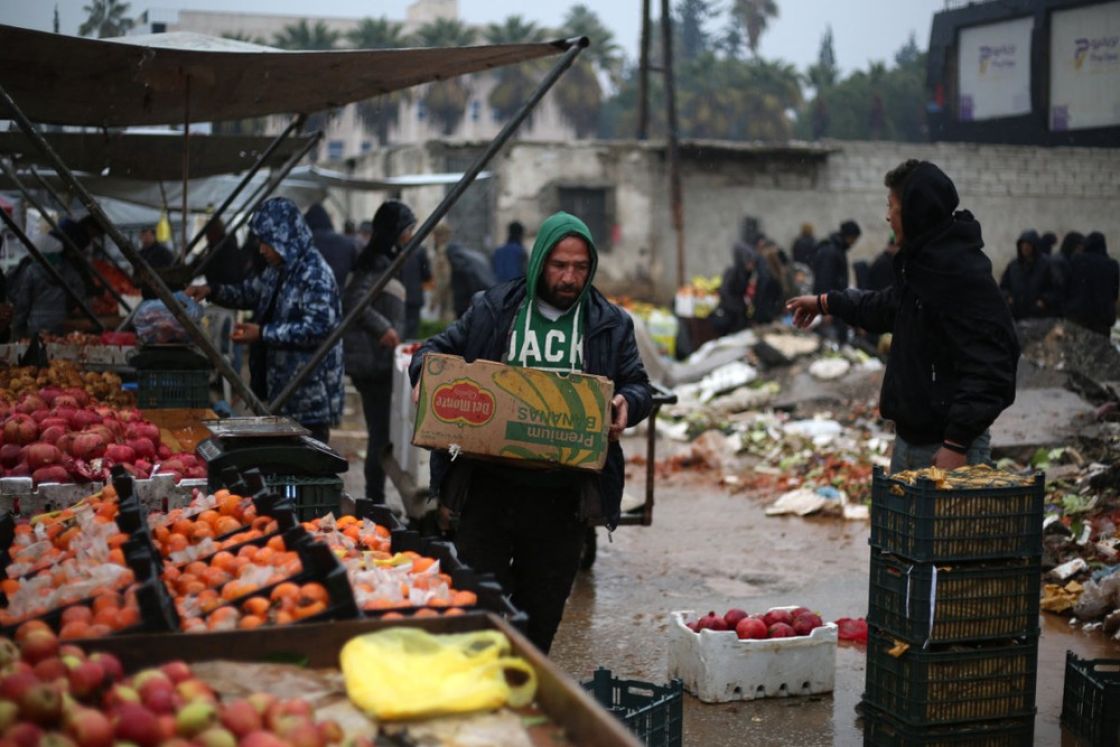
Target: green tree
[(514, 83), (694, 38), (580, 92), (755, 16), (824, 74), (380, 113), (304, 36), (106, 18), (446, 100), (878, 103), (55, 24)]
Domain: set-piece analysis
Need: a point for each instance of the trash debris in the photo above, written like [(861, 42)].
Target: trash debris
[(827, 369)]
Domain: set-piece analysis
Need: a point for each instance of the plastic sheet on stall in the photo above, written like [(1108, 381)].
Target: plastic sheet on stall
[(155, 325)]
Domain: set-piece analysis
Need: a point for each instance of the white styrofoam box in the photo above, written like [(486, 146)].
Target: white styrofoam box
[(717, 667)]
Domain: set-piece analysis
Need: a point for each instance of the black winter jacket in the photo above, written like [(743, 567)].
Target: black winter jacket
[(954, 352), (830, 265), (1094, 282), (1027, 282), (609, 350), (365, 357)]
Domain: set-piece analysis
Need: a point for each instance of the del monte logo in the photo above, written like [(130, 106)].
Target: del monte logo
[(996, 56), (1101, 49), (464, 402)]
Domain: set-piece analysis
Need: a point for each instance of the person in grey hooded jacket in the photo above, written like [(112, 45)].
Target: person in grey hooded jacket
[(369, 345)]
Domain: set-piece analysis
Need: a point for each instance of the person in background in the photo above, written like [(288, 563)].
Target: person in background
[(230, 264), (805, 245), (954, 352), (1046, 243), (156, 254), (830, 272), (881, 275), (470, 272), (370, 343), (414, 274), (442, 298), (365, 231), (736, 291), (1094, 283), (509, 258), (527, 526), (296, 305), (39, 303), (338, 250), (1072, 243), (1029, 282), (349, 230)]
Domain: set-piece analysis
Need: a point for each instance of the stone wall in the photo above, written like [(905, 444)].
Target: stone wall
[(1008, 188)]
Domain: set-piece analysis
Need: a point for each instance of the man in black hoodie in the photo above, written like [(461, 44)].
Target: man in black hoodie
[(1094, 282), (338, 250), (1029, 283), (954, 353)]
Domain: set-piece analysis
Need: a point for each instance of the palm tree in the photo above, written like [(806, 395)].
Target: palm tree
[(304, 36), (580, 92), (755, 15), (380, 113), (446, 100), (107, 18), (515, 83)]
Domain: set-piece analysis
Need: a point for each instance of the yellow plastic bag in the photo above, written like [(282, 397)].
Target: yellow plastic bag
[(403, 673)]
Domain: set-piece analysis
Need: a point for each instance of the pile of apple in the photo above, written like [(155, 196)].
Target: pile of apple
[(62, 435), (779, 622), (54, 695)]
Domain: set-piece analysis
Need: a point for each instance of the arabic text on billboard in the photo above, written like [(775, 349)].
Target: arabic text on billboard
[(1085, 67), (994, 70)]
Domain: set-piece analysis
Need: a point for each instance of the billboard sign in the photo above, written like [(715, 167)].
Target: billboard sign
[(994, 70), (1085, 67)]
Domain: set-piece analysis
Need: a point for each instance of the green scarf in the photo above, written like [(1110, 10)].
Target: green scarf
[(535, 340)]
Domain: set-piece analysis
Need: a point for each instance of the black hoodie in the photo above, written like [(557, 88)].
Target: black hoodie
[(1094, 283), (1031, 285), (338, 250), (951, 369)]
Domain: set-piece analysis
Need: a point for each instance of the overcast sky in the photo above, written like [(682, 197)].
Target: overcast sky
[(863, 30)]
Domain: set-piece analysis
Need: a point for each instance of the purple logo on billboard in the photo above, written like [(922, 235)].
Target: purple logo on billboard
[(998, 57), (1105, 49)]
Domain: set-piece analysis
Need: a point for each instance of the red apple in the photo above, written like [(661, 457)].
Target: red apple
[(16, 684), (25, 734), (135, 723), (114, 672), (86, 680), (330, 731), (262, 702), (39, 645), (9, 712), (177, 671), (194, 718), (216, 736), (118, 695), (194, 689), (49, 670), (261, 739), (240, 717), (41, 703), (90, 728)]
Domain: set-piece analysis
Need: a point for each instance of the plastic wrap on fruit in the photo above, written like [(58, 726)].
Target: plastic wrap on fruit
[(852, 629), (155, 325)]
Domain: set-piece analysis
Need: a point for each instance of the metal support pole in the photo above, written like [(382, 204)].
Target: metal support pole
[(11, 174), (295, 125), (675, 193), (259, 195), (51, 269), (186, 163), (144, 270), (574, 48), (643, 76), (62, 203)]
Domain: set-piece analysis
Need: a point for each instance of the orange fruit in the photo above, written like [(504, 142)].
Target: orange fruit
[(283, 617), (276, 544), (215, 577), (309, 610), (392, 616), (192, 623), (127, 617), (313, 592), (422, 564), (226, 524), (177, 543), (74, 629), (249, 622), (209, 600), (453, 612), (249, 552), (264, 556), (79, 613), (209, 517), (97, 630), (118, 539), (10, 586), (464, 599), (425, 612), (221, 493), (258, 606), (183, 527), (285, 590), (202, 531), (196, 568), (116, 556), (192, 588)]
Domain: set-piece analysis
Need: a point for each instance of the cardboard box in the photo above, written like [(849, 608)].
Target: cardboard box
[(488, 409)]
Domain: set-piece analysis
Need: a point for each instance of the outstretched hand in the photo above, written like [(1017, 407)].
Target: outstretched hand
[(805, 309), (620, 414)]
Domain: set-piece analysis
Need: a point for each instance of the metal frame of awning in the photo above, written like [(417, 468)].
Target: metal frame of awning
[(147, 275)]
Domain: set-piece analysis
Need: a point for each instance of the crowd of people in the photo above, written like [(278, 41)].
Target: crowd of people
[(1079, 282)]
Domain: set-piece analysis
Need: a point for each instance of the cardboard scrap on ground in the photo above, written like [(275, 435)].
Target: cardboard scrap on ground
[(1057, 598)]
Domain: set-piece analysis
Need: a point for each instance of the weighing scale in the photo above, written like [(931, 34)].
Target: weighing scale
[(274, 445)]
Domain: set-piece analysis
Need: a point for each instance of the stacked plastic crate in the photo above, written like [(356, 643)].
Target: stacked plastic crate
[(952, 653)]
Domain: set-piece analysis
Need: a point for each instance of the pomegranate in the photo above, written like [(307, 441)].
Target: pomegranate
[(777, 616), (55, 473), (42, 454), (143, 447), (781, 630), (20, 429), (10, 455), (120, 453), (733, 617), (31, 403), (87, 446), (751, 627)]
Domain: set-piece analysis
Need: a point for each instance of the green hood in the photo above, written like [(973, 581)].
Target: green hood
[(558, 226)]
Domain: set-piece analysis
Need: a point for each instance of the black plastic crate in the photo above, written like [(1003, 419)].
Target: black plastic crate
[(948, 685), (928, 603), (312, 496), (880, 730), (163, 389), (655, 713), (1091, 700), (921, 523)]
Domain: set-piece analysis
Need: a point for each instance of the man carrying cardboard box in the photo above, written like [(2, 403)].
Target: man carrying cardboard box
[(527, 525)]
